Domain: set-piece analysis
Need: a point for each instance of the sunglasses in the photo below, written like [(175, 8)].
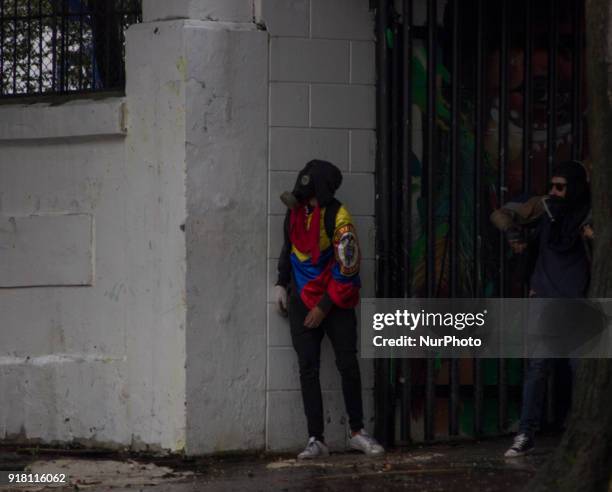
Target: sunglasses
[(558, 186)]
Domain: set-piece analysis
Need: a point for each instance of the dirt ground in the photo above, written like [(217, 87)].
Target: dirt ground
[(454, 467)]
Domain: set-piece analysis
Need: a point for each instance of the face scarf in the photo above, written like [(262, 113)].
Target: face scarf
[(304, 238), (568, 212)]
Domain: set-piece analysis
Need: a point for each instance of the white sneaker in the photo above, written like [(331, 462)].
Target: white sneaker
[(365, 443), (521, 446), (314, 449)]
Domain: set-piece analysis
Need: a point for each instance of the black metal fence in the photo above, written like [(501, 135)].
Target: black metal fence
[(476, 102), (63, 46)]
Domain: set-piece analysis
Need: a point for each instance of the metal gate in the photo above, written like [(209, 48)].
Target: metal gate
[(476, 102)]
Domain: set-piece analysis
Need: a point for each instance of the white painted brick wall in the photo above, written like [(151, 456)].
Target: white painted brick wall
[(285, 18), (341, 19), (322, 105), (362, 151), (328, 144), (289, 104), (338, 106), (363, 62), (309, 60)]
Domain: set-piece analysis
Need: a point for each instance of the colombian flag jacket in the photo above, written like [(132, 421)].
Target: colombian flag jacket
[(334, 279)]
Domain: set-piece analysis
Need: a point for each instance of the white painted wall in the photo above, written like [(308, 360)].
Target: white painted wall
[(147, 320), (322, 105), (93, 340), (76, 309)]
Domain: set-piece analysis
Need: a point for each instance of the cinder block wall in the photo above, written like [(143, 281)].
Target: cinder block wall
[(321, 105)]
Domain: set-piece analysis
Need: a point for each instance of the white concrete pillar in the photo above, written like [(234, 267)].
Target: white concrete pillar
[(212, 10), (155, 171), (204, 75)]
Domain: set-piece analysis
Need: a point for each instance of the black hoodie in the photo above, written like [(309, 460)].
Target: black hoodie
[(562, 267)]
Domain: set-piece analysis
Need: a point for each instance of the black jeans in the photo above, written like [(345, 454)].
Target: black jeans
[(534, 389), (341, 328)]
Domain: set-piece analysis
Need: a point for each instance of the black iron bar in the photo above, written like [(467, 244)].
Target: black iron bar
[(430, 395), (551, 392), (454, 399), (40, 46), (15, 50), (108, 12), (81, 66), (395, 199), (502, 383), (406, 196), (2, 22), (551, 137), (383, 195), (503, 162), (93, 13), (577, 81), (527, 109), (63, 50), (431, 142), (478, 398), (503, 134), (54, 14), (405, 400), (407, 153), (527, 151), (431, 160), (383, 201), (478, 156), (122, 16), (396, 115), (527, 98), (29, 62)]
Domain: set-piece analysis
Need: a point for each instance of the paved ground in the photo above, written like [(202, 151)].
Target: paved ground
[(458, 467)]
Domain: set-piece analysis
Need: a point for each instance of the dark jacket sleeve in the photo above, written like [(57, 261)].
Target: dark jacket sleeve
[(284, 261)]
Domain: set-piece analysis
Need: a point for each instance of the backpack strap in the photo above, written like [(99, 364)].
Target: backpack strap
[(331, 211)]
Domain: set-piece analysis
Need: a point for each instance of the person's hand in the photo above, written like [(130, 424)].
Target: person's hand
[(517, 246), (588, 232), (314, 317), (280, 299)]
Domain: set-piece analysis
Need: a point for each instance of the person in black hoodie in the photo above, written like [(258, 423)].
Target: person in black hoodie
[(318, 288), (560, 230)]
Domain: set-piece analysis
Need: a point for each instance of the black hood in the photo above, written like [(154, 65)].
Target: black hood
[(569, 213), (318, 179), (577, 185)]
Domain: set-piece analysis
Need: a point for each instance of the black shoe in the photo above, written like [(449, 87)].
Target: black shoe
[(522, 445)]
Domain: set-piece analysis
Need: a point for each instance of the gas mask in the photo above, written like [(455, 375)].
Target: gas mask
[(303, 191), (318, 179)]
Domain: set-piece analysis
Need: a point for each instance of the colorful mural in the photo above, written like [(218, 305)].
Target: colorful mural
[(513, 176), (489, 193)]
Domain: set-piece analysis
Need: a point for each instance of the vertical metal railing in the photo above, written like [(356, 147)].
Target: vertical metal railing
[(406, 205), (430, 161), (63, 46), (551, 137), (527, 98), (577, 76), (383, 403), (478, 164), (499, 34), (454, 396), (502, 383), (2, 44)]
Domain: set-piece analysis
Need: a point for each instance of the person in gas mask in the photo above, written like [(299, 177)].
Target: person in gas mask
[(555, 231), (318, 288)]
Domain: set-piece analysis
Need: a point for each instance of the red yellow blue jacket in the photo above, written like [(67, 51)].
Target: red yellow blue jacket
[(334, 280)]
